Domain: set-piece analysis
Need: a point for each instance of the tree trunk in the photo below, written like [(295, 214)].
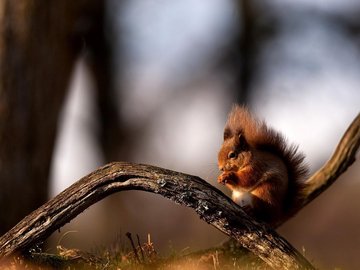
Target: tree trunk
[(39, 43)]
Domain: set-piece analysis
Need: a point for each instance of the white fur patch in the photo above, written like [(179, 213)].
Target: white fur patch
[(242, 198)]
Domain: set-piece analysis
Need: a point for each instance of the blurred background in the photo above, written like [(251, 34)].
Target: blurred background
[(152, 81)]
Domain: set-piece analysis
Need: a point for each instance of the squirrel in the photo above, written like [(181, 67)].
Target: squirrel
[(264, 173)]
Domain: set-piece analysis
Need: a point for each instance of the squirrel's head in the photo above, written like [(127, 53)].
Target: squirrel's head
[(235, 152)]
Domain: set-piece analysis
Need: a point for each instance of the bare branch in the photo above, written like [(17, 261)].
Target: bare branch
[(208, 202), (342, 158)]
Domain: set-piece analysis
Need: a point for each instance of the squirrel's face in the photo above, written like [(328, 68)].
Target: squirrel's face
[(234, 154)]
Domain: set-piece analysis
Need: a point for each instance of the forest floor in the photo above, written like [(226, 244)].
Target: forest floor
[(139, 257)]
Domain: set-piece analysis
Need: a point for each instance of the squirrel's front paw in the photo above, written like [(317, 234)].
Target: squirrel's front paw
[(226, 178), (221, 179)]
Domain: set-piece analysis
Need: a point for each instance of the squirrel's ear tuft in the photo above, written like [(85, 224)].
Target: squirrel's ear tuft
[(227, 134), (241, 142)]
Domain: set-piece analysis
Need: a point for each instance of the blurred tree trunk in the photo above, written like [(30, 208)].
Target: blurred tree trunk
[(245, 43), (39, 43), (101, 61), (255, 26)]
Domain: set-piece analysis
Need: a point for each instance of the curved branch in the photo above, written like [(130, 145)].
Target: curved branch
[(208, 202), (342, 158)]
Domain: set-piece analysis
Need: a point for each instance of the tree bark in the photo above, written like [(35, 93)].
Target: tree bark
[(209, 203)]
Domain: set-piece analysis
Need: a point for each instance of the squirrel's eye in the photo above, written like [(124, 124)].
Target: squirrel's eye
[(232, 154)]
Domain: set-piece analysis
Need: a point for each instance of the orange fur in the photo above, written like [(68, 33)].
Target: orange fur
[(256, 160)]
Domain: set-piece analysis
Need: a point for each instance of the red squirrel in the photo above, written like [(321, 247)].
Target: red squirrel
[(265, 174)]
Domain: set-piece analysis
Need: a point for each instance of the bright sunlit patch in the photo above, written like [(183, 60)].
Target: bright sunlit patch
[(242, 198)]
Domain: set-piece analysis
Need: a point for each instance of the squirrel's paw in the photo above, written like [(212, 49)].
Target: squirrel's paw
[(226, 177)]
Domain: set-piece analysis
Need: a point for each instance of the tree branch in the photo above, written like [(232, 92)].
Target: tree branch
[(342, 158), (208, 202)]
